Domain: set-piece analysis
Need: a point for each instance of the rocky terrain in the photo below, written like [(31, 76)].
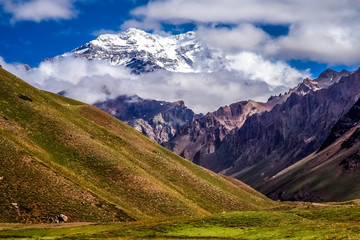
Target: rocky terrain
[(331, 173), (159, 120), (201, 137)]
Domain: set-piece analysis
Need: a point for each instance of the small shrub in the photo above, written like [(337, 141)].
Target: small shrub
[(26, 98)]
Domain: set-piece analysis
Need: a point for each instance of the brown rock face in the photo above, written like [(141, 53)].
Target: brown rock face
[(200, 138), (330, 174), (343, 125)]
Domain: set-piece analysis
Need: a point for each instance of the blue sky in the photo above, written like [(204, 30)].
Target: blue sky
[(29, 40), (275, 44)]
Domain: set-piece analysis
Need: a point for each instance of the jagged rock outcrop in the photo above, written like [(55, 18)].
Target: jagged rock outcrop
[(201, 137), (159, 120), (58, 219)]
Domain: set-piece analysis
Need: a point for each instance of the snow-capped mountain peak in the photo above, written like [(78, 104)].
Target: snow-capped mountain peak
[(146, 52)]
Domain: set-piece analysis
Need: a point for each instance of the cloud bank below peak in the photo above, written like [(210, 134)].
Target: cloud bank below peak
[(249, 76)]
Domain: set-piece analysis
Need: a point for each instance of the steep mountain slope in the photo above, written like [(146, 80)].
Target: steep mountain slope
[(203, 136), (63, 156), (274, 140), (144, 52), (159, 120), (234, 137), (331, 174)]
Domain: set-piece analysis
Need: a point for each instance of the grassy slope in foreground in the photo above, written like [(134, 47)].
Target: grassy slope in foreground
[(62, 156), (291, 221)]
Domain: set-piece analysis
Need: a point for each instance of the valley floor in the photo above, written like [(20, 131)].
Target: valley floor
[(289, 221)]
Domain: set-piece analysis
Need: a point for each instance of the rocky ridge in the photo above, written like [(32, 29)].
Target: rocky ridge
[(159, 120)]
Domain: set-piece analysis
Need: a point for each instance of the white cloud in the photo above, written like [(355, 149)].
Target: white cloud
[(237, 11), (249, 77), (39, 10), (243, 37), (322, 30), (320, 42), (132, 23), (103, 31), (147, 24), (273, 73)]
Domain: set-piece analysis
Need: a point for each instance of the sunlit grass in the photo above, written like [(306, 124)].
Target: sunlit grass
[(302, 221)]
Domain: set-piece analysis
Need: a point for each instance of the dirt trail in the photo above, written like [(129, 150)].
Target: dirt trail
[(320, 204), (15, 226)]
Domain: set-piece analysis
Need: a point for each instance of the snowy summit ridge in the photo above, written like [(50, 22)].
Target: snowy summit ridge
[(146, 52)]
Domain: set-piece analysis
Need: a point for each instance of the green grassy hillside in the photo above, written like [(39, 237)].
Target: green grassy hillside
[(58, 155)]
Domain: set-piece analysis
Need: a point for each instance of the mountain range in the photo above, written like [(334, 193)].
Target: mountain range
[(256, 145), (249, 140), (64, 159)]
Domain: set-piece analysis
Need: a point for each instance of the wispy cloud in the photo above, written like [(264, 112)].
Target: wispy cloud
[(244, 37), (255, 11), (249, 77), (104, 31), (39, 10), (148, 24)]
